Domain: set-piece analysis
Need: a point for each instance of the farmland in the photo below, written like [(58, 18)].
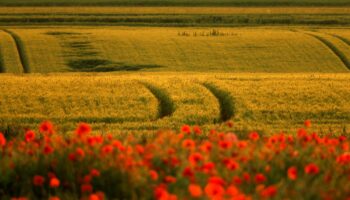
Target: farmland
[(149, 101), (174, 99), (105, 49)]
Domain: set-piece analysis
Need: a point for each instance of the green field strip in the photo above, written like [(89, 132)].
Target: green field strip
[(166, 105), (169, 20), (21, 50), (333, 48), (226, 101)]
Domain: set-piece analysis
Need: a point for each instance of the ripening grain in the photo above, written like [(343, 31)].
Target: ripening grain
[(122, 102)]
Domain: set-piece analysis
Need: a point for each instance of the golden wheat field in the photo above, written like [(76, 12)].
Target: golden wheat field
[(177, 49), (130, 102)]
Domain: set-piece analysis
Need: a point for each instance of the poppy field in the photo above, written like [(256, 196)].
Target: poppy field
[(182, 164)]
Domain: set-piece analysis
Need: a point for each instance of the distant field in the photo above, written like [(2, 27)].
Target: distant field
[(158, 100), (108, 49), (94, 10), (175, 16), (176, 2)]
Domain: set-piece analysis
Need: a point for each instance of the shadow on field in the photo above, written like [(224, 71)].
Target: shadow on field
[(101, 65)]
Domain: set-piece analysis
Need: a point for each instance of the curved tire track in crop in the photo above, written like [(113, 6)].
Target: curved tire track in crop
[(2, 66), (20, 49), (345, 40), (226, 101), (166, 106), (333, 48)]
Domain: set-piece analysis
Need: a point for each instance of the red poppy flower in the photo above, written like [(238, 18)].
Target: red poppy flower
[(237, 180), (188, 144), (197, 130), (46, 127), (231, 164), (292, 173), (307, 123), (232, 191), (187, 172), (254, 136), (169, 179), (269, 192), (160, 192), (225, 144), (38, 180), (97, 196), (87, 178), (208, 167), (216, 180), (107, 149), (94, 197), (2, 140), (186, 129), (206, 147), (54, 183), (195, 190), (195, 158), (214, 191), (260, 178), (153, 174), (86, 188), (54, 198), (29, 136), (48, 149), (79, 152), (95, 173), (83, 129), (246, 177), (311, 169)]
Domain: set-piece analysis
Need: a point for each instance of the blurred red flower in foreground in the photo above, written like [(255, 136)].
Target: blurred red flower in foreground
[(311, 169), (2, 140), (307, 123), (186, 129), (269, 192), (214, 191), (38, 180), (83, 129), (46, 127), (292, 173), (195, 190), (54, 183), (29, 136)]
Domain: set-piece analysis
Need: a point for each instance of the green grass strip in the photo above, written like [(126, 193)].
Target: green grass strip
[(166, 104), (226, 101), (21, 50)]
